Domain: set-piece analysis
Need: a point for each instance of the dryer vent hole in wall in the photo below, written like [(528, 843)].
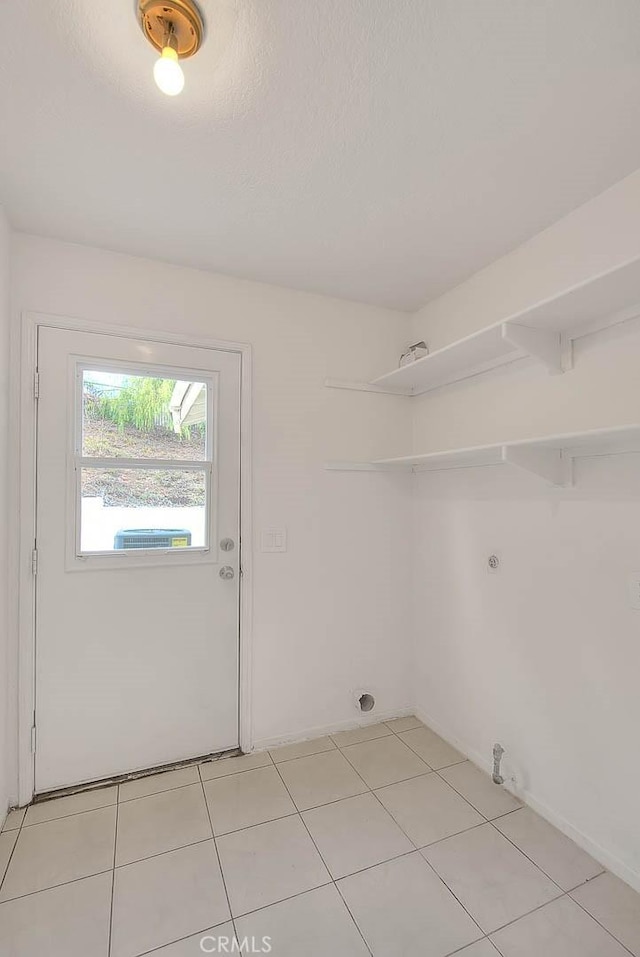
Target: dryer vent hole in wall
[(366, 702)]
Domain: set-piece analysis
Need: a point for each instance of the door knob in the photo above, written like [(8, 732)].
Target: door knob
[(226, 572)]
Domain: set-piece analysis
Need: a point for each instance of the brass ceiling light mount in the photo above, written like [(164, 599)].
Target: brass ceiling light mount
[(176, 29)]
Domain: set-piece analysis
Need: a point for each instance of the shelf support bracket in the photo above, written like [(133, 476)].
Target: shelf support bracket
[(548, 464), (566, 351), (542, 344)]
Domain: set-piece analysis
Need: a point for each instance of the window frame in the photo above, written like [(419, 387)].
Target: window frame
[(76, 558)]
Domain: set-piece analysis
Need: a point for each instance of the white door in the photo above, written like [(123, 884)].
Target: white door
[(137, 586)]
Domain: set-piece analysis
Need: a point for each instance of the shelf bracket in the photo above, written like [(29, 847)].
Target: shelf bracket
[(542, 344), (566, 351), (548, 464)]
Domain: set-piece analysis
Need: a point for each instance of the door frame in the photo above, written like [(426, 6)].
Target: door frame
[(23, 530)]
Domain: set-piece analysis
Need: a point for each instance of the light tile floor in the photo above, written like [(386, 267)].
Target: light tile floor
[(382, 840)]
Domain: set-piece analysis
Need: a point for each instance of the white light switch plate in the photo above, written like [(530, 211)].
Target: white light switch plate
[(274, 540)]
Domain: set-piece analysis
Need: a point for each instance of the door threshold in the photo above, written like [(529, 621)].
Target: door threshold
[(133, 776)]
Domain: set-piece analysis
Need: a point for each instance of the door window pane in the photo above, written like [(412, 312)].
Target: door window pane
[(140, 417), (125, 509)]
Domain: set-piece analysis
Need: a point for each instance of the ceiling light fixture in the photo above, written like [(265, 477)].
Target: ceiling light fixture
[(176, 29)]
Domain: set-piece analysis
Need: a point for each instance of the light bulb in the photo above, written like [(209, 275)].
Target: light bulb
[(167, 72)]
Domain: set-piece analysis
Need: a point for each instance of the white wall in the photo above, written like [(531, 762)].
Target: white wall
[(543, 656), (317, 634), (595, 238), (6, 725)]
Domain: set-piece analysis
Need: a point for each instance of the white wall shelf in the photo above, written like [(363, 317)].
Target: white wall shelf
[(543, 332), (550, 458)]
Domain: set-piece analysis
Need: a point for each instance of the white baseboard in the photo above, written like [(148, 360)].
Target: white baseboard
[(601, 854), (293, 737)]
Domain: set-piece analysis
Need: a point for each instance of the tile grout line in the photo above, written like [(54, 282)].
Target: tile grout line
[(461, 950), (113, 872), (460, 795), (531, 861), (169, 850), (332, 879), (424, 847), (377, 737), (422, 774), (215, 846), (315, 807), (179, 940), (491, 822), (553, 901), (388, 860), (271, 820), (13, 850), (418, 850), (562, 894), (65, 817), (584, 909), (296, 810), (178, 787), (298, 757), (486, 821), (115, 867), (527, 913), (453, 764), (85, 877), (534, 910), (283, 900), (371, 790), (51, 887), (196, 767)]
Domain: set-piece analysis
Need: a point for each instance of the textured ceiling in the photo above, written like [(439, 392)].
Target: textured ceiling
[(379, 150)]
